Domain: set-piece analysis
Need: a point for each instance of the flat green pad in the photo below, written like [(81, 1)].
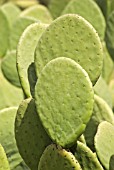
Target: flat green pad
[(20, 24), (4, 165), (89, 10), (63, 104), (55, 157), (101, 112), (108, 65), (87, 159), (9, 69), (25, 3), (25, 56), (111, 166), (11, 11), (30, 136), (7, 138), (38, 12), (10, 95), (101, 89), (104, 143), (110, 34), (67, 36), (4, 34)]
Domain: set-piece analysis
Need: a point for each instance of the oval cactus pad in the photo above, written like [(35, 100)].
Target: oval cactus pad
[(29, 133), (55, 157), (64, 100), (104, 143), (87, 159), (73, 37), (7, 138), (4, 165), (25, 56)]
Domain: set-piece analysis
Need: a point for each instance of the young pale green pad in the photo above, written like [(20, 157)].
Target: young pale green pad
[(4, 165), (89, 10), (38, 12), (87, 159), (4, 34), (110, 34), (9, 69), (25, 56), (7, 138), (64, 100), (73, 37), (101, 112), (104, 143), (30, 135), (11, 11), (54, 158), (20, 24), (10, 95)]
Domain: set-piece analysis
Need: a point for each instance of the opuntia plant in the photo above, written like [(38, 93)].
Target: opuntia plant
[(57, 85)]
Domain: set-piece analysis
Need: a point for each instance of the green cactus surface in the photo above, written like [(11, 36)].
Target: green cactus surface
[(38, 12), (110, 34), (11, 11), (67, 36), (10, 95), (108, 65), (111, 166), (101, 89), (87, 159), (104, 143), (4, 165), (4, 34), (63, 104), (20, 24), (7, 138), (54, 158), (30, 135), (25, 58), (101, 112), (9, 69), (89, 10)]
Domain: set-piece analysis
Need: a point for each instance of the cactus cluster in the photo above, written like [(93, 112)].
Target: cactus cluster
[(57, 85)]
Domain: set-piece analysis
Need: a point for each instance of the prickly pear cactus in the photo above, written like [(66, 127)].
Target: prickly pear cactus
[(61, 100), (55, 157), (4, 165), (67, 36), (104, 143), (38, 12), (87, 159), (101, 112), (30, 135), (9, 69), (25, 58)]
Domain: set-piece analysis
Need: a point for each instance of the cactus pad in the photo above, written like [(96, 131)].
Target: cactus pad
[(67, 36), (90, 11), (55, 157), (25, 56), (7, 138), (62, 102), (38, 12), (30, 135), (20, 24), (104, 143), (101, 112), (87, 159), (9, 69)]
